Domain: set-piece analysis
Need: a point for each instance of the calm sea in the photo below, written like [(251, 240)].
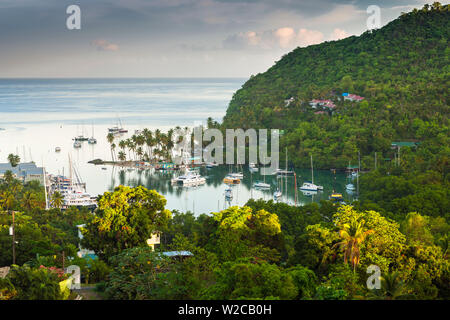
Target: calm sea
[(38, 115)]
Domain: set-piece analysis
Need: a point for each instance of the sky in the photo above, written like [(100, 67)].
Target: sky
[(172, 38)]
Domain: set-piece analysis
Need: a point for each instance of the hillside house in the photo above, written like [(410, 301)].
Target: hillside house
[(352, 97)]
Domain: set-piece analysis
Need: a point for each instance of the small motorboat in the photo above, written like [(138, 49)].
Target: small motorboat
[(231, 180), (77, 144), (336, 196), (57, 149)]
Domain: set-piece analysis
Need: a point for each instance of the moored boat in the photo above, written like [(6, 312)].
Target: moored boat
[(189, 179), (231, 180), (261, 185)]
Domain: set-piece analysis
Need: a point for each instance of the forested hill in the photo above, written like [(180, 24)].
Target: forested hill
[(402, 71)]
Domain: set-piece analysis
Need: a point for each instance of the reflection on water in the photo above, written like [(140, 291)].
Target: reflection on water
[(211, 196), (39, 115)]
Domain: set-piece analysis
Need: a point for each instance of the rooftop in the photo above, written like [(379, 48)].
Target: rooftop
[(22, 169)]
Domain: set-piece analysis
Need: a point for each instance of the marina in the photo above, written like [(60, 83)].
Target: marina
[(52, 143)]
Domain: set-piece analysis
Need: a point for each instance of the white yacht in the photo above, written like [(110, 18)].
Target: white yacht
[(189, 179), (92, 140), (261, 185), (309, 193), (252, 167), (309, 186), (212, 165), (238, 175), (282, 172), (350, 187), (277, 194), (228, 193), (77, 144)]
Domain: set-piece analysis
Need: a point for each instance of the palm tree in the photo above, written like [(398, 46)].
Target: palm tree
[(122, 156), (8, 177), (392, 288), (139, 152), (110, 138), (29, 200), (13, 159), (113, 149), (352, 236), (57, 199), (7, 199)]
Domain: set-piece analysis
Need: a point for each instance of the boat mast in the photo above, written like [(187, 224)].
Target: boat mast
[(285, 186), (312, 171), (357, 176)]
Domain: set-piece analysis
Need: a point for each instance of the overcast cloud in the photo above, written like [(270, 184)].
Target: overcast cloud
[(172, 38)]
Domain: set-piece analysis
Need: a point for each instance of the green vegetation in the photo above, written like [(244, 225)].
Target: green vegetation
[(145, 146), (267, 250), (402, 71)]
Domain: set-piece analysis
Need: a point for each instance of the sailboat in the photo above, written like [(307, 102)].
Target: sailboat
[(92, 140), (262, 185), (309, 185), (228, 193), (80, 137), (117, 129), (252, 167), (277, 194)]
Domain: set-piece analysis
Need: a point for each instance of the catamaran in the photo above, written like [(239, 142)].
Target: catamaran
[(189, 179)]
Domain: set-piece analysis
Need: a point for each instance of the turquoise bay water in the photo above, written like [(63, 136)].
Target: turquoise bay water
[(41, 114)]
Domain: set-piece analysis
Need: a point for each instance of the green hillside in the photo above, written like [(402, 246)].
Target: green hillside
[(402, 71)]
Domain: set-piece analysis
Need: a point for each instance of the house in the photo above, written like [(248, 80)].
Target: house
[(289, 101), (352, 97), (399, 144), (322, 103), (26, 172), (320, 112), (154, 239)]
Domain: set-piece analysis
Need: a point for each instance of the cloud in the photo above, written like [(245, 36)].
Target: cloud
[(339, 34), (281, 38), (307, 37), (104, 45)]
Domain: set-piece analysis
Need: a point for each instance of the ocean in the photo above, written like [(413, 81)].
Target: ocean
[(38, 115)]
